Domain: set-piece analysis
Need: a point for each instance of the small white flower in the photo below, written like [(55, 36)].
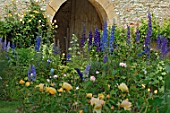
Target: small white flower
[(97, 72), (39, 21), (77, 88), (55, 76), (50, 76), (0, 78), (32, 74), (64, 75), (122, 64), (48, 80)]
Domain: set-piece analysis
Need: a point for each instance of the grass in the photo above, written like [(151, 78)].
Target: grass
[(8, 106)]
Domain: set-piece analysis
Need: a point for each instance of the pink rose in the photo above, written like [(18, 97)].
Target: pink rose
[(92, 78)]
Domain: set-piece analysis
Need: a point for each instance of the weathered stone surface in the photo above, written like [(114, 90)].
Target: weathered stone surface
[(119, 11)]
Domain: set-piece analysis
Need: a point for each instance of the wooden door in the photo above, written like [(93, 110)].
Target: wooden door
[(71, 17)]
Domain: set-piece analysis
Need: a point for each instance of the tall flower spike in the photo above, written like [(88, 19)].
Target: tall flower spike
[(164, 47), (83, 37), (68, 57), (87, 69), (159, 41), (8, 47), (4, 45), (33, 72), (105, 59), (104, 42), (112, 38), (137, 35), (97, 40), (149, 32), (90, 40), (128, 35), (79, 73), (38, 43)]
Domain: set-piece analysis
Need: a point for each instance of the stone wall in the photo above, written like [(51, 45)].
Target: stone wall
[(126, 11)]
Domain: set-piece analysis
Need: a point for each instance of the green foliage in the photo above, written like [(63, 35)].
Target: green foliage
[(22, 29)]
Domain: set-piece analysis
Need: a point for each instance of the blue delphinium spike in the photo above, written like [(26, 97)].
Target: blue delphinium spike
[(128, 34), (105, 59), (13, 46), (38, 43), (90, 40), (79, 73), (159, 41), (4, 45), (149, 32), (33, 72), (87, 69), (56, 50), (104, 42), (83, 37), (112, 38), (137, 36), (8, 47), (164, 47), (68, 57), (97, 40)]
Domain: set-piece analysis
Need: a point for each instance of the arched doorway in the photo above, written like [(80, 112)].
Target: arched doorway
[(71, 17)]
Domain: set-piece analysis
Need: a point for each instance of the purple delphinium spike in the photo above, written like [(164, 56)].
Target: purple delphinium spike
[(79, 73), (104, 41), (33, 72), (164, 47), (83, 37), (68, 57), (8, 47), (137, 36), (38, 43), (4, 45), (149, 32), (128, 35), (112, 38), (56, 50), (90, 40), (97, 40), (87, 69), (159, 41), (13, 46), (105, 59)]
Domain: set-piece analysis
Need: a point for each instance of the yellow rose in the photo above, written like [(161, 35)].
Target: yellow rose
[(60, 90), (89, 95), (101, 96), (27, 84), (123, 87), (51, 90), (126, 104), (67, 86), (21, 82), (41, 86), (97, 104)]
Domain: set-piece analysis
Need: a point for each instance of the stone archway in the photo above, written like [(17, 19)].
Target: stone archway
[(93, 14), (103, 7)]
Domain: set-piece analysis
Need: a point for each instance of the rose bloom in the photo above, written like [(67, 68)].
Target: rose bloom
[(126, 104), (27, 84), (67, 86), (51, 90), (98, 104), (21, 82), (122, 64), (41, 86), (89, 95), (123, 87), (92, 78)]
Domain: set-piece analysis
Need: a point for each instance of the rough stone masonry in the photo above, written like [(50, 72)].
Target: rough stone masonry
[(128, 11)]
